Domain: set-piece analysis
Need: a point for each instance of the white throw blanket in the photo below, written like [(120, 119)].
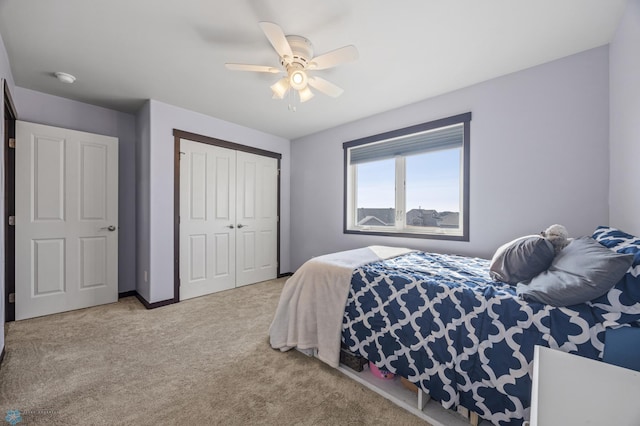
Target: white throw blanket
[(311, 307)]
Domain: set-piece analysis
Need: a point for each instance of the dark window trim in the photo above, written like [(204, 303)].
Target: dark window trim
[(423, 127), (409, 235), (464, 118)]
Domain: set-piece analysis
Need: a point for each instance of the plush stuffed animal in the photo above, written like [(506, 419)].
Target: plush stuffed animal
[(557, 236)]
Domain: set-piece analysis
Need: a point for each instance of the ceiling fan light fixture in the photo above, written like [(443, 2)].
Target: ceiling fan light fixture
[(305, 94), (297, 59), (280, 88), (298, 79)]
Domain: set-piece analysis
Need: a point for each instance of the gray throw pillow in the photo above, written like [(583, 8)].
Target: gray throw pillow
[(521, 259), (582, 271)]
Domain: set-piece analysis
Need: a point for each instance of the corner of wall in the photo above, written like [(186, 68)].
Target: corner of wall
[(142, 148), (624, 133)]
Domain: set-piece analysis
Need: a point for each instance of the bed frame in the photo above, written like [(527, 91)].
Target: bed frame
[(420, 404)]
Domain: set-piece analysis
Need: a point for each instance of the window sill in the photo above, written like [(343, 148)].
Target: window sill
[(427, 236)]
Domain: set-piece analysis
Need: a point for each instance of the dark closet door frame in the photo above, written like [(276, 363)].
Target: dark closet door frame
[(10, 117), (181, 134)]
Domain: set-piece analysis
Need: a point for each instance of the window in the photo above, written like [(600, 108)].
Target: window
[(412, 182)]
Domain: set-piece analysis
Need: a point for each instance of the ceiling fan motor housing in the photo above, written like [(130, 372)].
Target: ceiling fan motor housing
[(302, 50)]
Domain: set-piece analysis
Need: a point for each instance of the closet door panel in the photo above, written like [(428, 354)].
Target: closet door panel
[(257, 218), (224, 204), (207, 212), (228, 218)]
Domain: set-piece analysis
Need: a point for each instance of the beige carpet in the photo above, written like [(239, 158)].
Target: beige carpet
[(204, 361)]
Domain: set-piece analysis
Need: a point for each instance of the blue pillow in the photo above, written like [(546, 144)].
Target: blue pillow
[(618, 241), (624, 297)]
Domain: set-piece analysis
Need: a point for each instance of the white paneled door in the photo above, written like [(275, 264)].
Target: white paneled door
[(207, 219), (66, 220), (228, 218), (257, 218)]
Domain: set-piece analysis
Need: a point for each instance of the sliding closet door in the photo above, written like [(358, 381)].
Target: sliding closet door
[(257, 221), (207, 219)]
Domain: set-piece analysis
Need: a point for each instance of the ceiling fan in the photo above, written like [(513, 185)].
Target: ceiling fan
[(296, 58)]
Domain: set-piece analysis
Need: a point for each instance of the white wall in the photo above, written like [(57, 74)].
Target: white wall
[(55, 111), (164, 118), (539, 156), (624, 189)]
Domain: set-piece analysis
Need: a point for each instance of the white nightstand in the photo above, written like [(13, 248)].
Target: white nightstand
[(572, 390)]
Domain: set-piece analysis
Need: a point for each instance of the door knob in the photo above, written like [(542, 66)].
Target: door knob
[(241, 225), (230, 226), (109, 228)]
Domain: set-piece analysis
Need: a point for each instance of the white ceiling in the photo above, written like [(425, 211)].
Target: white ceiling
[(126, 51)]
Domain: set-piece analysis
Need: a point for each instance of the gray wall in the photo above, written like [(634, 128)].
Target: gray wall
[(539, 156), (624, 189), (52, 110), (5, 67), (143, 136), (163, 119)]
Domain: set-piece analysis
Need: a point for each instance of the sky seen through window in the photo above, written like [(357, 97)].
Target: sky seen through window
[(433, 182)]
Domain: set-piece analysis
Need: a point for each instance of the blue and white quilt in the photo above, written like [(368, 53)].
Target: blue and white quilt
[(440, 321)]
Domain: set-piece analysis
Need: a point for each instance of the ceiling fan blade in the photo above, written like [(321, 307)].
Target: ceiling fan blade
[(335, 57), (276, 37), (256, 68), (324, 86)]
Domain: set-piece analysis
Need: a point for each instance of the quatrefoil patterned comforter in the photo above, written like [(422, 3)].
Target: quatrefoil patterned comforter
[(441, 322)]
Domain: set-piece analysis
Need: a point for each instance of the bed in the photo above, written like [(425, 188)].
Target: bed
[(441, 321)]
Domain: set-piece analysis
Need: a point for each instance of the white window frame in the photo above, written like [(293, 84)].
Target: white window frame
[(400, 228)]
